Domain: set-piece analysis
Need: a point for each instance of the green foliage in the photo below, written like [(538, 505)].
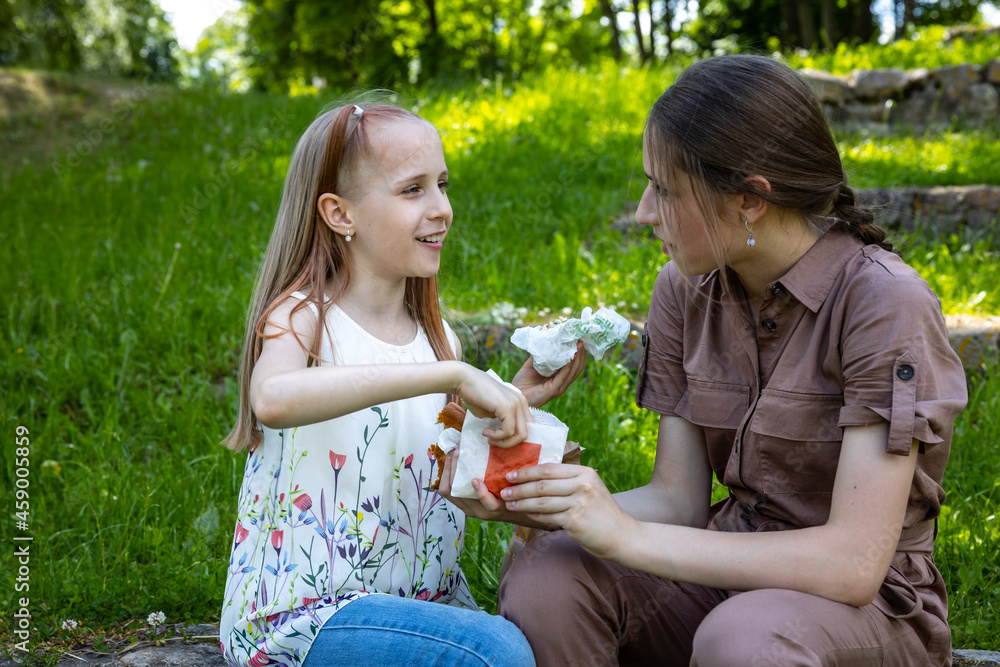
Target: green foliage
[(958, 272), (127, 261), (221, 59), (119, 37), (924, 48), (969, 534), (388, 44), (936, 156)]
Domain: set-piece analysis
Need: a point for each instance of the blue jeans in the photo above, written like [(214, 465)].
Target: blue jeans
[(389, 630)]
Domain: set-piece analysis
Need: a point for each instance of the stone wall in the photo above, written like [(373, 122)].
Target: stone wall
[(917, 97), (945, 209)]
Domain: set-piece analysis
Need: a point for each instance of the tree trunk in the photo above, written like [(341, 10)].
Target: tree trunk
[(432, 12), (807, 26), (828, 21), (908, 13), (667, 20), (789, 22), (640, 40), (616, 39), (652, 31), (863, 25)]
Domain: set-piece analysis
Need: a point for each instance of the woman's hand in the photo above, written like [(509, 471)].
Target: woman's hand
[(573, 498), (539, 389), (488, 398), (486, 506)]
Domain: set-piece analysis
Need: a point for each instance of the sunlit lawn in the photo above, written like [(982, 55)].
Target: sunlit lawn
[(125, 277)]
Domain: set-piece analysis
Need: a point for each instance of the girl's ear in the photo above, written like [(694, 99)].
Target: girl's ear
[(752, 206), (332, 208)]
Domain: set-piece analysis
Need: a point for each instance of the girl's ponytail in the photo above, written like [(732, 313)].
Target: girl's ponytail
[(860, 220)]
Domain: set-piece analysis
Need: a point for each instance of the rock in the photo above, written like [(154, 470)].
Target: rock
[(992, 71), (981, 100), (983, 196), (968, 658), (866, 113), (970, 33), (916, 77), (171, 655), (829, 88), (879, 84), (975, 339), (892, 207), (198, 655), (955, 79)]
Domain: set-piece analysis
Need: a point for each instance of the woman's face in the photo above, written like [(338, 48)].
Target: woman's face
[(669, 205)]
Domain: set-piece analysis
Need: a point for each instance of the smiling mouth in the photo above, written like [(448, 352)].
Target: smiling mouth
[(433, 238)]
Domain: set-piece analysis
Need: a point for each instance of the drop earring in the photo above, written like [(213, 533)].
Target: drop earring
[(348, 237), (750, 241)]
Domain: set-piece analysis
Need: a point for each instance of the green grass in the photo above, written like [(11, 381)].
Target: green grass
[(925, 48), (937, 156), (129, 248)]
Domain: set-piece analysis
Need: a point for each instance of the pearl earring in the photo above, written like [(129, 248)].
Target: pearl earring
[(750, 241), (348, 237)]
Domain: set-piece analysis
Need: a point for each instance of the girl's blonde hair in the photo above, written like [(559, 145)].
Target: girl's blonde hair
[(305, 253)]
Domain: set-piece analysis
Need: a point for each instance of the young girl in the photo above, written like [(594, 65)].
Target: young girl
[(346, 364), (805, 365)]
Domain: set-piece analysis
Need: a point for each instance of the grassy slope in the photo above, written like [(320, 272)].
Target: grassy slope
[(130, 236)]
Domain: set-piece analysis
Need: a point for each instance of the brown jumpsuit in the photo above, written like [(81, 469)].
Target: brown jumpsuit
[(850, 335)]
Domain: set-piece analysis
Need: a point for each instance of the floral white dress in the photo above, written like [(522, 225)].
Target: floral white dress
[(334, 511)]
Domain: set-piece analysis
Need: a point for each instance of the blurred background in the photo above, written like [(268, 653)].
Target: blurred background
[(143, 147), (297, 45)]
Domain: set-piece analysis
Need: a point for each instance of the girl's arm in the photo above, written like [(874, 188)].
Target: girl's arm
[(843, 560), (284, 392)]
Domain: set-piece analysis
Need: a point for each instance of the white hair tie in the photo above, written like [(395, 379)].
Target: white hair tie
[(357, 111)]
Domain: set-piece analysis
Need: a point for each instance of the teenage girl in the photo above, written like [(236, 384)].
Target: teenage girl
[(792, 354), (340, 547)]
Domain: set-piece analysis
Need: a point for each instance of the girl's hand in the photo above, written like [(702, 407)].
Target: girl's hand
[(488, 398), (539, 389), (573, 498), (487, 506)]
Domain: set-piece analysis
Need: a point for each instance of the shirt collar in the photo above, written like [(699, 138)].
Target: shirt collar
[(811, 278)]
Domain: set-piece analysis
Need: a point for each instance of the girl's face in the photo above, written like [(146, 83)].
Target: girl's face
[(402, 213), (670, 206)]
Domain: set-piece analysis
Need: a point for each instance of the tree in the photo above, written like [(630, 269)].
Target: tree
[(611, 15), (643, 51), (123, 37)]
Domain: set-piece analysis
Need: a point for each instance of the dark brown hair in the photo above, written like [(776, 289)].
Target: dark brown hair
[(730, 117), (305, 253)]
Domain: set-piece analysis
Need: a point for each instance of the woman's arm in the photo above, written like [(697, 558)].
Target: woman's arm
[(284, 392), (844, 560), (680, 490)]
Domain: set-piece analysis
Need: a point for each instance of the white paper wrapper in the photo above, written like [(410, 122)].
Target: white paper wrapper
[(553, 345), (477, 459)]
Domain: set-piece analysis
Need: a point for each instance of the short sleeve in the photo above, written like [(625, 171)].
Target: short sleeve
[(897, 364), (661, 380)]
